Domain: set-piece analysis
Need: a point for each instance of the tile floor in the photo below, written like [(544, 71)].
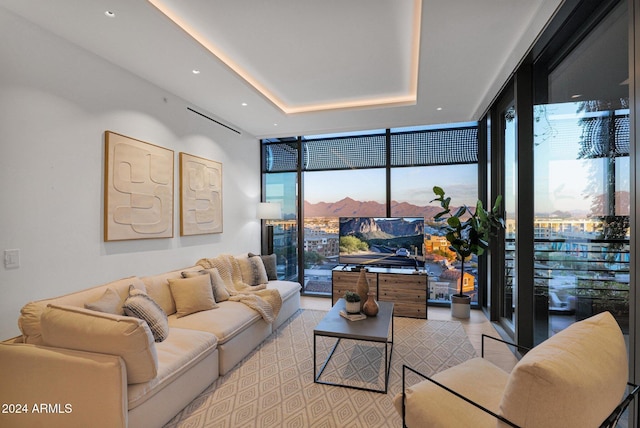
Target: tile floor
[(475, 326)]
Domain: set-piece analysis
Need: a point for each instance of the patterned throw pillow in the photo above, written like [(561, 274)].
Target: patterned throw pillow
[(269, 262), (140, 305), (253, 271)]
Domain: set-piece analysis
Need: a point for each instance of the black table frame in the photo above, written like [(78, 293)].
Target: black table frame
[(338, 327)]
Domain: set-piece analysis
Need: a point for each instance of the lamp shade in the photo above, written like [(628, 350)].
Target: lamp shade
[(269, 211)]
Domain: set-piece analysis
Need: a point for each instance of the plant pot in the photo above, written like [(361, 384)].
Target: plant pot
[(352, 307), (460, 306)]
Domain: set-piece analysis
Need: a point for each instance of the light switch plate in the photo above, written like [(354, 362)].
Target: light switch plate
[(11, 259)]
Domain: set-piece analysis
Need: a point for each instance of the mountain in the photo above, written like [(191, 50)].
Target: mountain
[(370, 228), (348, 207)]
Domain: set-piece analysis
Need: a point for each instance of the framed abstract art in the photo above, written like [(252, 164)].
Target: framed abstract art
[(138, 191), (200, 195)]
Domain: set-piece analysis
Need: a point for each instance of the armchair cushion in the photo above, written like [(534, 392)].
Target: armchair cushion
[(577, 376), (429, 405)]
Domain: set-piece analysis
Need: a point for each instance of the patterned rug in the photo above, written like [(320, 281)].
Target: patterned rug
[(273, 386)]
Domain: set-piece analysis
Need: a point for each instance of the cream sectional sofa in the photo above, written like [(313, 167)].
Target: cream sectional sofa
[(75, 366)]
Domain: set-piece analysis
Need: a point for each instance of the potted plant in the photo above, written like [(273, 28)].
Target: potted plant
[(468, 232), (353, 302)]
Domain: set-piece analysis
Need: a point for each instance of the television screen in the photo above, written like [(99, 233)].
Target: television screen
[(382, 241)]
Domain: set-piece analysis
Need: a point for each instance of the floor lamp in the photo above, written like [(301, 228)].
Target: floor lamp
[(268, 211)]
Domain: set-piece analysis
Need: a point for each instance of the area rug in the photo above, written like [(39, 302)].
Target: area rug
[(273, 386)]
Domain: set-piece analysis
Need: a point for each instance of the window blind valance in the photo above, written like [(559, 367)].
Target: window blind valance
[(451, 146)]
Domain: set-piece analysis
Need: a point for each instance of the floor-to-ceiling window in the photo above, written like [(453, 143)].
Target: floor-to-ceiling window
[(565, 160), (582, 176), (577, 77), (380, 173), (281, 187), (573, 195), (421, 158), (344, 175)]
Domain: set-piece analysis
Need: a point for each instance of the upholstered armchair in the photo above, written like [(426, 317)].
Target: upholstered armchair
[(577, 378)]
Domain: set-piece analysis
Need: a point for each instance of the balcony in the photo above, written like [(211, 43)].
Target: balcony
[(578, 278)]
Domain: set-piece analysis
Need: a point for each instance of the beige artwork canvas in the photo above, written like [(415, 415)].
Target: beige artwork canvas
[(138, 189), (200, 195)]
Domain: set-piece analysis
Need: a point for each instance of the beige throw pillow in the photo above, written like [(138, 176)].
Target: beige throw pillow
[(220, 293), (110, 302), (219, 290), (192, 294)]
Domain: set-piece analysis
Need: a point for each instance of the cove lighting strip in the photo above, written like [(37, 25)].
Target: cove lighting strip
[(409, 99)]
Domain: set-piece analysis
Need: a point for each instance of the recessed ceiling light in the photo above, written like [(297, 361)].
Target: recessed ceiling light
[(574, 96), (195, 71), (439, 108), (110, 14), (244, 104), (275, 124)]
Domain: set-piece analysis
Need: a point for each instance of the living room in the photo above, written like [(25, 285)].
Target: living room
[(58, 98)]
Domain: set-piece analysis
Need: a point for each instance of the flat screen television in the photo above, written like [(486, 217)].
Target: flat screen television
[(381, 241)]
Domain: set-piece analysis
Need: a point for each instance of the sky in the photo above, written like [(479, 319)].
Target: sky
[(562, 181), (413, 185)]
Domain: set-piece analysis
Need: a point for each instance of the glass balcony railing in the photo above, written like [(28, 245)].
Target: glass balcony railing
[(581, 277)]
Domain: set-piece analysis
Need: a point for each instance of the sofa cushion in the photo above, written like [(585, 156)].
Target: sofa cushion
[(29, 320), (109, 302), (578, 376), (252, 270), (81, 329), (286, 288), (192, 294), (182, 350), (226, 322), (158, 288), (270, 265), (140, 305)]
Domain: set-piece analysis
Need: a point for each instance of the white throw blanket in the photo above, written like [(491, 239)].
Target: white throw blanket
[(266, 302)]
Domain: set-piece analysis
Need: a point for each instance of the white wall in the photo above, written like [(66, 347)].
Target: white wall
[(56, 101)]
